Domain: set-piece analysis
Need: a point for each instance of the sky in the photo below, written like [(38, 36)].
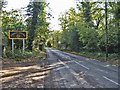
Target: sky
[(57, 7)]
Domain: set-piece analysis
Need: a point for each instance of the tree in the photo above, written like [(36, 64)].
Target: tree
[(70, 33), (34, 9), (11, 20), (37, 25), (88, 24), (117, 18), (106, 29), (2, 4)]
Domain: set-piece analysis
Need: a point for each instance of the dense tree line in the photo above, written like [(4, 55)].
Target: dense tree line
[(84, 29), (34, 21), (37, 24), (2, 4)]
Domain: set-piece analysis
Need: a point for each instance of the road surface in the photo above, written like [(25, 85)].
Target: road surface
[(59, 70), (72, 71)]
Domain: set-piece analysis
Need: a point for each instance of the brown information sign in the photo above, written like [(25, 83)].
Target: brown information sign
[(18, 34)]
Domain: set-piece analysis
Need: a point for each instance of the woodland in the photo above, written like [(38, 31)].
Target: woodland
[(91, 29)]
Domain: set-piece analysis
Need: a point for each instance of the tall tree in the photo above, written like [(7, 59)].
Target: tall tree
[(2, 4), (34, 8), (37, 24), (106, 28), (70, 33), (117, 17), (11, 20)]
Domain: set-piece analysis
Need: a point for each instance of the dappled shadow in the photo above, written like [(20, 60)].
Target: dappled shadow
[(23, 75), (26, 75)]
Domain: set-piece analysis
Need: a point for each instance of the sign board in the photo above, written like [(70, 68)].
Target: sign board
[(18, 34)]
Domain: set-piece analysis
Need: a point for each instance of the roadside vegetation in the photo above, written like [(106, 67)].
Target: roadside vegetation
[(34, 22), (92, 31), (112, 59), (19, 56)]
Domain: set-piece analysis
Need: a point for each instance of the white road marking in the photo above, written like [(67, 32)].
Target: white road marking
[(81, 65), (77, 63), (73, 72), (107, 65), (102, 70), (111, 80), (59, 68), (76, 75), (63, 64)]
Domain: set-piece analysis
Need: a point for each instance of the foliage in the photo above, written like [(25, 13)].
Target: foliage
[(2, 4), (81, 29), (85, 29), (11, 20), (19, 55), (37, 25)]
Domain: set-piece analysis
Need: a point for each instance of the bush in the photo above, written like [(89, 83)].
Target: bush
[(18, 54), (8, 53)]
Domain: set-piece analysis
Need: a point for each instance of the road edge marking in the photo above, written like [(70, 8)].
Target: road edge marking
[(82, 65), (111, 80)]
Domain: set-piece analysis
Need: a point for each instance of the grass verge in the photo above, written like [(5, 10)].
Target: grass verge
[(27, 56)]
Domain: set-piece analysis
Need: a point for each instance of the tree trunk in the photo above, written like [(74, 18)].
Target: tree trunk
[(33, 25), (106, 31)]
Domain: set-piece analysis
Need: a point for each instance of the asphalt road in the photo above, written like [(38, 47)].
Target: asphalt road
[(72, 71)]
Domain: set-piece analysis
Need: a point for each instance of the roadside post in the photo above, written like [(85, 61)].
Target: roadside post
[(12, 47), (23, 45), (21, 35)]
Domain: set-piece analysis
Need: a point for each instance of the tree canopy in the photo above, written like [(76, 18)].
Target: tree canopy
[(81, 29)]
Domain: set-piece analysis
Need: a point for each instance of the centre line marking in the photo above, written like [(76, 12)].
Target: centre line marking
[(81, 65), (111, 80), (72, 71)]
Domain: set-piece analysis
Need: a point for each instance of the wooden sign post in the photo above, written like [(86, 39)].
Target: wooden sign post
[(18, 35)]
